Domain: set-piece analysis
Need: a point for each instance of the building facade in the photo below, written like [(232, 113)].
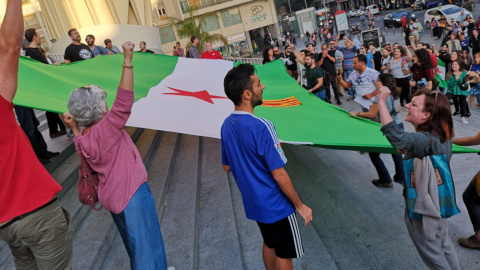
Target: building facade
[(239, 21)]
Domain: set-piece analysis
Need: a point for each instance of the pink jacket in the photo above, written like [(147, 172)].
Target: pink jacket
[(110, 151)]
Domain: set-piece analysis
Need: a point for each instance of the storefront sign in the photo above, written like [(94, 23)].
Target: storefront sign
[(239, 36), (258, 17)]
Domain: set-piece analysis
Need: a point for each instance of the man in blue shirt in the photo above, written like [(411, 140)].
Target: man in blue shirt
[(97, 50), (251, 151)]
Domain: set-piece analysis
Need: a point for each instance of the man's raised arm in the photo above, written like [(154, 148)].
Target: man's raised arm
[(11, 36)]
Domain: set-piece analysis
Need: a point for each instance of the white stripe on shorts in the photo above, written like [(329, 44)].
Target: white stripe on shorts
[(296, 235)]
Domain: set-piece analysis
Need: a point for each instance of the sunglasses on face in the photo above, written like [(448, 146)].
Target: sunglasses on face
[(275, 51)]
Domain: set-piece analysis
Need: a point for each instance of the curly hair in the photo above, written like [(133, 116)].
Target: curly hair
[(423, 59), (87, 105)]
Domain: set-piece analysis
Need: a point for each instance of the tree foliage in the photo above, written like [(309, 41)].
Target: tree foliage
[(193, 25)]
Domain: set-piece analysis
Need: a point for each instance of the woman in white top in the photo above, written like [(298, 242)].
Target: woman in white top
[(394, 67)]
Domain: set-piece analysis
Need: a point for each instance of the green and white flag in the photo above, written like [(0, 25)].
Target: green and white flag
[(441, 73), (186, 95)]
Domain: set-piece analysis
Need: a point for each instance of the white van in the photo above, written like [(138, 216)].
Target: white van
[(374, 9)]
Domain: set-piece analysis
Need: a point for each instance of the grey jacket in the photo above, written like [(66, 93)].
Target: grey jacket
[(193, 52)]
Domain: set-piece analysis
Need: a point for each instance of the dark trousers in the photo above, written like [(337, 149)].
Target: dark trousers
[(54, 122), (407, 35), (383, 174), (29, 123), (472, 202), (405, 85), (437, 32), (461, 102), (333, 84)]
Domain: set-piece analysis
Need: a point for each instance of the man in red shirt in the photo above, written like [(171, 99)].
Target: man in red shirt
[(210, 53), (32, 222), (404, 21)]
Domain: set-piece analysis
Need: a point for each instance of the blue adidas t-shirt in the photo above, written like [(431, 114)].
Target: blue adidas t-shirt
[(251, 148)]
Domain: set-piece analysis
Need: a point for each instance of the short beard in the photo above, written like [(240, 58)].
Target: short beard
[(256, 103)]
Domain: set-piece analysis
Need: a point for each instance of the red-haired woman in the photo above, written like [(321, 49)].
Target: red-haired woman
[(429, 112)]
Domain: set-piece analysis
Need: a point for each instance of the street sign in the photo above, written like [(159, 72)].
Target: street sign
[(341, 21), (371, 36)]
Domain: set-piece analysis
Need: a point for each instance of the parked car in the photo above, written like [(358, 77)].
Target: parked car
[(352, 13), (449, 11), (435, 3), (362, 12), (419, 5), (374, 9), (395, 19)]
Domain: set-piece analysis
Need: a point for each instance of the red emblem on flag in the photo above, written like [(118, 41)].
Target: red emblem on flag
[(203, 95)]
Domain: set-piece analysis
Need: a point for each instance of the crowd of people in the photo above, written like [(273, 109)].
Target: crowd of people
[(387, 79)]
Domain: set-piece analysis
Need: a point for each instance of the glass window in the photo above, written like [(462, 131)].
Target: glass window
[(184, 6), (230, 17), (452, 10), (166, 34), (210, 23)]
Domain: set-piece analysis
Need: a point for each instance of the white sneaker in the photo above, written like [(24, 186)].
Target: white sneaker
[(171, 268), (464, 121)]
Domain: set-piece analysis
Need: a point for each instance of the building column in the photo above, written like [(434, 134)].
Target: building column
[(249, 42)]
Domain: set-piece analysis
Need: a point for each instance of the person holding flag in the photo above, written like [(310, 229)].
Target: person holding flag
[(109, 151), (251, 150)]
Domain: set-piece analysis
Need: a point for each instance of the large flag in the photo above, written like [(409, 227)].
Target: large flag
[(186, 96), (441, 73)]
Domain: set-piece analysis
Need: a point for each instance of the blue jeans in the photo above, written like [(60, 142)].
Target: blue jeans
[(351, 91), (140, 230), (383, 174), (321, 95)]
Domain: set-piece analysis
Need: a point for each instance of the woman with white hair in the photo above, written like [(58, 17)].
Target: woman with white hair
[(109, 150)]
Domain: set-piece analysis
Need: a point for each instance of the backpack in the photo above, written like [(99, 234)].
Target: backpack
[(87, 184)]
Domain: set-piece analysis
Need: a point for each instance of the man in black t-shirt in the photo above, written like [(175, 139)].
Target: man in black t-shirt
[(377, 57), (314, 76), (26, 116), (291, 62), (327, 62), (76, 51)]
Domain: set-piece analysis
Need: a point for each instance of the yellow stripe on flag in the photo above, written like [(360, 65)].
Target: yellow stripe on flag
[(284, 102)]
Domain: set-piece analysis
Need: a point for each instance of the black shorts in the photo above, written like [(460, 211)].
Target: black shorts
[(283, 236)]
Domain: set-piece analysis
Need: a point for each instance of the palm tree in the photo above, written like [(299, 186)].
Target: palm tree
[(189, 28)]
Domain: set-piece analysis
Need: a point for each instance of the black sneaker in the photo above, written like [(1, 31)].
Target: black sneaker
[(379, 183), (468, 116), (339, 102), (49, 154), (456, 113)]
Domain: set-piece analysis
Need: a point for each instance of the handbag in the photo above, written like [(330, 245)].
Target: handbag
[(87, 184), (442, 177)]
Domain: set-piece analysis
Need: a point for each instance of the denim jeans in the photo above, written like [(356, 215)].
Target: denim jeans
[(140, 230), (383, 174), (472, 202), (351, 91), (321, 95)]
